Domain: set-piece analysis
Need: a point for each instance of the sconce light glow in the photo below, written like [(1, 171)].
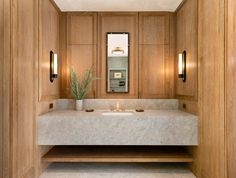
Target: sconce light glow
[(182, 66), (53, 66)]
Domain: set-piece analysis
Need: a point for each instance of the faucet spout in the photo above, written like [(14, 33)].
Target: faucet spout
[(117, 109)]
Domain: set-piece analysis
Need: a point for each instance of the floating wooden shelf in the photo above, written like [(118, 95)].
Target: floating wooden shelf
[(119, 154)]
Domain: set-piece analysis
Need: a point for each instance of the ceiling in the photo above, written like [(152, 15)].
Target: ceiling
[(118, 5)]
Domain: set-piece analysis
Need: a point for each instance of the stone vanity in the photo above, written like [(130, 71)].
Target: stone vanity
[(160, 124)]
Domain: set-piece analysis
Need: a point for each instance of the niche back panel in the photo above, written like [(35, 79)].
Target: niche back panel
[(118, 22)]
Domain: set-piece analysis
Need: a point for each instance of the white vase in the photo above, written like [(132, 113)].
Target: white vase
[(79, 105)]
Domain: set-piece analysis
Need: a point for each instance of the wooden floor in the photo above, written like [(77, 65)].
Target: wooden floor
[(118, 154)]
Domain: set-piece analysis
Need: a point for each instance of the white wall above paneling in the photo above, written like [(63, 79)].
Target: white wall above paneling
[(118, 5)]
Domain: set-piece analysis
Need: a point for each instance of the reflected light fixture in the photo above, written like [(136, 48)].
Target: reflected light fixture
[(53, 66), (118, 51), (182, 66)]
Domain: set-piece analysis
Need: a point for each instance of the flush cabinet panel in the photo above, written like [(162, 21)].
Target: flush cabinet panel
[(81, 47), (155, 61)]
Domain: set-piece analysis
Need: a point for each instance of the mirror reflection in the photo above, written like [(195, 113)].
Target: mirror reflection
[(117, 62)]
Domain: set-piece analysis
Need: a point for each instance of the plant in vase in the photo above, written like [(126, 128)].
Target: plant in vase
[(80, 85)]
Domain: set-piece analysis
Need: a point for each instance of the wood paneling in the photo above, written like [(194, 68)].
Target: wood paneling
[(1, 86), (82, 29), (231, 86), (155, 62), (211, 151), (80, 47), (24, 54), (6, 89), (48, 40), (154, 28), (186, 34), (188, 106), (153, 59), (118, 22)]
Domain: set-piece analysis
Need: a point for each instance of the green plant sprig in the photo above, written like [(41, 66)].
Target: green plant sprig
[(80, 86)]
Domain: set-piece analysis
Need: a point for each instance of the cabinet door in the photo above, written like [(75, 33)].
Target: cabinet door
[(154, 56)]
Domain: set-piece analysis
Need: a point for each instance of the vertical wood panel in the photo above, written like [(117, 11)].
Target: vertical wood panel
[(48, 40), (64, 69), (211, 152), (186, 34), (154, 28), (118, 22), (7, 84), (81, 47), (1, 86), (24, 55), (231, 87), (155, 59)]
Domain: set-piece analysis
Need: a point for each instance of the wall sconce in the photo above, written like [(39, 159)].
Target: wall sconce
[(53, 66), (182, 66)]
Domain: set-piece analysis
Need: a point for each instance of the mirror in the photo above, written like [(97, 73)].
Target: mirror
[(117, 62)]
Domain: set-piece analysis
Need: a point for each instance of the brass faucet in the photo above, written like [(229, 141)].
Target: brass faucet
[(117, 109)]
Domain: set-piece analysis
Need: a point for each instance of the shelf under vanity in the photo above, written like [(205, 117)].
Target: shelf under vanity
[(117, 154)]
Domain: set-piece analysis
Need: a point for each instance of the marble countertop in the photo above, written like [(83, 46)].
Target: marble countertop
[(152, 127)]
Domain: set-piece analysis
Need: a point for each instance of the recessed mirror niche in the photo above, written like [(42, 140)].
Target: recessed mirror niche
[(117, 62)]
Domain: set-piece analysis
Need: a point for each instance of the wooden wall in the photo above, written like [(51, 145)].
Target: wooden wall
[(83, 44), (211, 52), (24, 55), (1, 87), (48, 40), (49, 16), (156, 62), (79, 40), (231, 86), (5, 90), (118, 22), (186, 39)]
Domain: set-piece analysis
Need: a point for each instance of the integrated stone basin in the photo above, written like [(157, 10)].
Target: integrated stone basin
[(152, 127), (120, 113)]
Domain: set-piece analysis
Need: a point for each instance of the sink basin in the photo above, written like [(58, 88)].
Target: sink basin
[(117, 114)]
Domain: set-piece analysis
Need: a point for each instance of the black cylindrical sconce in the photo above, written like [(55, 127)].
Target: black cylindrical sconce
[(53, 66)]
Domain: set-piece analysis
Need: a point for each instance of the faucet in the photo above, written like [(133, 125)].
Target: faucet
[(117, 109)]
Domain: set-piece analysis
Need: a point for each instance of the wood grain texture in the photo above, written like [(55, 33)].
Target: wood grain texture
[(118, 22), (155, 62), (154, 28), (186, 39), (1, 86), (188, 106), (231, 86), (80, 45), (48, 40), (64, 70), (7, 85), (117, 154), (24, 41), (211, 151)]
